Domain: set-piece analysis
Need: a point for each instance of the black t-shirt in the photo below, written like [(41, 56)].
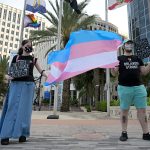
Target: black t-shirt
[(129, 70), (29, 61)]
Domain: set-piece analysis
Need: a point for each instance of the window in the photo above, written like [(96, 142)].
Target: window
[(13, 26), (12, 32), (43, 25), (9, 16), (0, 12), (18, 20), (18, 27), (11, 44), (6, 43), (2, 35), (1, 42), (14, 17), (2, 29), (17, 33), (5, 50), (26, 36), (5, 14), (8, 24), (7, 31), (3, 23), (0, 49), (16, 45), (12, 38), (7, 37)]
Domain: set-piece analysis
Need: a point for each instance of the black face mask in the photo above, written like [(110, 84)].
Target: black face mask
[(28, 49)]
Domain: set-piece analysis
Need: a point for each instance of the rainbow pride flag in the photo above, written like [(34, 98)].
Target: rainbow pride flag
[(31, 21)]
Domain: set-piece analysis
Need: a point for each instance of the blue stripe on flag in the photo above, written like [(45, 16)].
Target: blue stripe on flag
[(89, 36), (58, 56)]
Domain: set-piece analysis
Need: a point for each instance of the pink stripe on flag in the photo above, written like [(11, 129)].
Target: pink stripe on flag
[(67, 75), (95, 47), (50, 78), (59, 65)]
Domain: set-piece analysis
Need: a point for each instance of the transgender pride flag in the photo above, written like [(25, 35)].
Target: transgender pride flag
[(84, 51)]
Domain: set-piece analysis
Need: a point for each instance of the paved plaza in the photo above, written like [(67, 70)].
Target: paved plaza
[(79, 131)]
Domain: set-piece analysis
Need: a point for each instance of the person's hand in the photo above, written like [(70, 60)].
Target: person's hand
[(7, 77)]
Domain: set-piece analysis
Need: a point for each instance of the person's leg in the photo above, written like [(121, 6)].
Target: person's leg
[(141, 114), (140, 102), (124, 120), (124, 123), (125, 96)]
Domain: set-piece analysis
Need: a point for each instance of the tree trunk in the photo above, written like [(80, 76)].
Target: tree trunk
[(66, 96)]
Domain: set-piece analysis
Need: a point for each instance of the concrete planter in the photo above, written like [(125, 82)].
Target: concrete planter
[(115, 112)]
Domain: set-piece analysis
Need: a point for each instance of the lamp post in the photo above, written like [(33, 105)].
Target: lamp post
[(55, 116), (107, 69)]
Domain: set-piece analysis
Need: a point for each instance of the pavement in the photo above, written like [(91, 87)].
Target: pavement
[(79, 131)]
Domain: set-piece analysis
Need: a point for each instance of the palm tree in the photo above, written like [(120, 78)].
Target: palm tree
[(70, 22)]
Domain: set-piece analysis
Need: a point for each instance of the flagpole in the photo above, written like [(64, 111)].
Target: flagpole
[(107, 69), (22, 25), (55, 116)]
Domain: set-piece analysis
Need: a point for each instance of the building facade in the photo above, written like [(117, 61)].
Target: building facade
[(10, 29), (139, 21)]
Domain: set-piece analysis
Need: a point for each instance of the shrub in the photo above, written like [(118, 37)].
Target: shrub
[(103, 106), (114, 103), (88, 108)]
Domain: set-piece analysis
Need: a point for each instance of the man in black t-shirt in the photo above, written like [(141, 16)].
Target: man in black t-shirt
[(130, 88)]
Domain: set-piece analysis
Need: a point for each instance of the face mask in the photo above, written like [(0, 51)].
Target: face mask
[(28, 49), (129, 47)]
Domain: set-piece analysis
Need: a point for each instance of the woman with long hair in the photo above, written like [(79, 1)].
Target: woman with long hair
[(16, 114)]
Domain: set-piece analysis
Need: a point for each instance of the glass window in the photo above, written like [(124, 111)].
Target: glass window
[(7, 37), (0, 48), (14, 17), (2, 29), (18, 27), (1, 42), (9, 16), (3, 23), (12, 38), (0, 12), (5, 14), (12, 32), (13, 26), (8, 24), (17, 33), (16, 45), (43, 25), (7, 31), (11, 44), (18, 20), (6, 43), (2, 35), (5, 50)]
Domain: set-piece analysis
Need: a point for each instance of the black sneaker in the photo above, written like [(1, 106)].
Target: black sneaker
[(5, 141), (22, 139), (146, 136), (124, 136)]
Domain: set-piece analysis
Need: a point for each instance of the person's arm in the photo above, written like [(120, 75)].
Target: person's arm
[(40, 70), (114, 71), (145, 69)]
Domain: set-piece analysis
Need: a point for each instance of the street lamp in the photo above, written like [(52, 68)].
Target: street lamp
[(55, 116)]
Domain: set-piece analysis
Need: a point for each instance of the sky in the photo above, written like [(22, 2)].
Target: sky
[(118, 16)]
